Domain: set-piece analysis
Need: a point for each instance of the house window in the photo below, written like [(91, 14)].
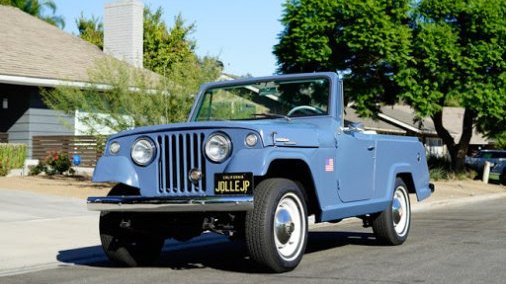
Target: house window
[(5, 103)]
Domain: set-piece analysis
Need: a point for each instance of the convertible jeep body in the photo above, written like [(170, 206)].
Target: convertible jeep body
[(256, 157)]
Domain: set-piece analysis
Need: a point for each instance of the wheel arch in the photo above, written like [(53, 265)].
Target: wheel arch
[(298, 171), (407, 178), (122, 189)]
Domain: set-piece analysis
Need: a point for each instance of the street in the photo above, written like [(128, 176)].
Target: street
[(459, 243)]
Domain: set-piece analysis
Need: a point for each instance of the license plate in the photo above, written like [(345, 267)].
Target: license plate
[(233, 183)]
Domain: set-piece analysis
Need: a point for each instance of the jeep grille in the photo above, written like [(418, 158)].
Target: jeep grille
[(181, 152)]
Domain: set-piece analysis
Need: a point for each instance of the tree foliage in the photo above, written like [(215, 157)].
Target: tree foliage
[(120, 96), (163, 46), (501, 140), (427, 53), (364, 39), (91, 30), (38, 9)]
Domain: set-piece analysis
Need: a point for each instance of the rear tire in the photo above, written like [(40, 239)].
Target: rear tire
[(502, 178), (125, 246), (276, 229), (391, 226)]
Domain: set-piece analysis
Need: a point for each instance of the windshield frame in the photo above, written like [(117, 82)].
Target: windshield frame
[(331, 77)]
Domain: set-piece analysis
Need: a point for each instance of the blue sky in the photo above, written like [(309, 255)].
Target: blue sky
[(240, 32)]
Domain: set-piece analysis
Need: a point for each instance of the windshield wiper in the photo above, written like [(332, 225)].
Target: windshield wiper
[(273, 115)]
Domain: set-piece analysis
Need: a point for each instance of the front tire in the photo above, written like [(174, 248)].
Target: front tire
[(125, 246), (276, 229), (391, 226)]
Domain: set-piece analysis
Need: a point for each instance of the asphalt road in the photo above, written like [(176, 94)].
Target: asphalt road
[(458, 244)]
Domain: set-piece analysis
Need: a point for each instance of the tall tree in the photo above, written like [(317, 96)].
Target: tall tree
[(428, 53), (459, 55), (91, 30), (135, 97), (366, 40), (38, 9), (164, 46)]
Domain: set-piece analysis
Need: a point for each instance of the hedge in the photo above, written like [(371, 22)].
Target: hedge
[(12, 156)]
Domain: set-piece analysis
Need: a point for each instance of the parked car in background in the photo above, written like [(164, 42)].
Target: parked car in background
[(499, 169), (495, 157)]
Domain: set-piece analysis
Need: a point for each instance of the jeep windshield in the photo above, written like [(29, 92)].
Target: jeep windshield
[(274, 99)]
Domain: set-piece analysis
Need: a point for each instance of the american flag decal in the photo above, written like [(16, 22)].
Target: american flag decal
[(329, 165)]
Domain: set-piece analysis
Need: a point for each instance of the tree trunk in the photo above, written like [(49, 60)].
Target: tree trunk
[(457, 151)]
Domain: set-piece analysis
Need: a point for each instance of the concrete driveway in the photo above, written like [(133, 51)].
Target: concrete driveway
[(34, 228), (41, 232)]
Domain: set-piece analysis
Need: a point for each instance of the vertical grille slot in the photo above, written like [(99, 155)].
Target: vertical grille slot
[(161, 165), (180, 153), (202, 163)]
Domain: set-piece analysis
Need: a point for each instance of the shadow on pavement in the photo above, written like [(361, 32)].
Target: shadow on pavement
[(215, 251)]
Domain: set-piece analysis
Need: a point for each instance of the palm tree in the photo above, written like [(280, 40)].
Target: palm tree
[(37, 8)]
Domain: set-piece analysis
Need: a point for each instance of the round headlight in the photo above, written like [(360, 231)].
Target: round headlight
[(114, 148), (251, 139), (143, 151), (218, 147)]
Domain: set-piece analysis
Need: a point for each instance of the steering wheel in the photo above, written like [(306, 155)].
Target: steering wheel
[(312, 109)]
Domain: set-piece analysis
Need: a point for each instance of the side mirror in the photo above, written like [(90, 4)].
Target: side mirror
[(356, 127)]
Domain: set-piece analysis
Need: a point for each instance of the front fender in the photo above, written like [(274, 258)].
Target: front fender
[(258, 161), (116, 169)]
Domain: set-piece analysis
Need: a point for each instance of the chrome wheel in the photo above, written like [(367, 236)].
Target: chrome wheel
[(276, 228), (289, 227), (400, 212), (391, 226)]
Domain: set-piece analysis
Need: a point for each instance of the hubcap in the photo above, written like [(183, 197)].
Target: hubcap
[(289, 227), (396, 211), (283, 225), (400, 211)]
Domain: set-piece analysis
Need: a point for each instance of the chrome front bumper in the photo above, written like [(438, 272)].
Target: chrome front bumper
[(173, 204)]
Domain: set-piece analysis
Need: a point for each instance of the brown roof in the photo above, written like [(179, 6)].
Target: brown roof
[(406, 114), (350, 115), (452, 121), (30, 47), (398, 119)]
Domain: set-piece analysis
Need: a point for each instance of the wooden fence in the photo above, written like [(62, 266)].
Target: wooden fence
[(89, 148), (4, 137)]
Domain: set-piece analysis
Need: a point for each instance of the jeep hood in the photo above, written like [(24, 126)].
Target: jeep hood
[(277, 132)]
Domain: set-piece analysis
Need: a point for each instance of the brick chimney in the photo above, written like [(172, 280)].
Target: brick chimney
[(123, 29)]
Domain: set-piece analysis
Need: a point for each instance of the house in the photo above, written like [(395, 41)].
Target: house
[(400, 120), (35, 55)]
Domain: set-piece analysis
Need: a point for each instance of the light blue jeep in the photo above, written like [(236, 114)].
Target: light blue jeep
[(256, 157)]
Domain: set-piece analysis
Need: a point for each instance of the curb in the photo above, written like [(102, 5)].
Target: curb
[(420, 207)]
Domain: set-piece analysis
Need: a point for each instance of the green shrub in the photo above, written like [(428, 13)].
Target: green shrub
[(438, 174), (36, 169), (54, 163), (58, 163), (440, 169), (12, 156)]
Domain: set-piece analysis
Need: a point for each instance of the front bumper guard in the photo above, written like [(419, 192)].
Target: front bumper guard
[(170, 204)]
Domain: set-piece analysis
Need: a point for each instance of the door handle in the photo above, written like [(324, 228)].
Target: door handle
[(370, 148)]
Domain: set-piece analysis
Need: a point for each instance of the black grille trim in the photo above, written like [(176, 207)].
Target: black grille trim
[(179, 153)]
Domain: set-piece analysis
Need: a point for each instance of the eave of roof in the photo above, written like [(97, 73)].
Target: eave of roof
[(39, 82)]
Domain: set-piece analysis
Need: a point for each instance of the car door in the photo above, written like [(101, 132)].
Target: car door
[(355, 163)]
